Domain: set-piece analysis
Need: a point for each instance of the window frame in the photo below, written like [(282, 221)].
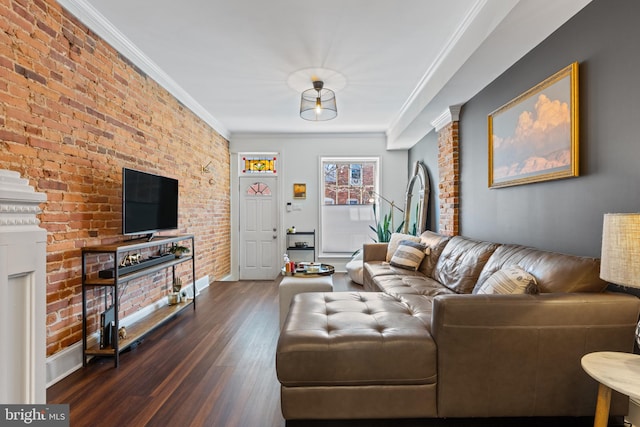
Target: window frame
[(361, 226)]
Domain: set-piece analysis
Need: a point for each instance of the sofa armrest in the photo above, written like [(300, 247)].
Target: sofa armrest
[(374, 252), (520, 354)]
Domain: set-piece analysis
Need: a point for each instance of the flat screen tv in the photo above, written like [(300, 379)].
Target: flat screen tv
[(149, 203)]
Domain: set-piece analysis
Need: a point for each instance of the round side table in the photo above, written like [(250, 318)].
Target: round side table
[(614, 371)]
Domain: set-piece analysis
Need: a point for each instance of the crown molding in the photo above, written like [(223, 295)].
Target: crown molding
[(451, 114), (423, 92), (306, 135), (100, 25)]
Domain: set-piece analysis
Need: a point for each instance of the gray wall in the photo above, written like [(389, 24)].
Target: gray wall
[(562, 215), (427, 151)]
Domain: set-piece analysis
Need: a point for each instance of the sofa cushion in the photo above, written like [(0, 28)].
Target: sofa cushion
[(395, 240), (554, 272), (461, 262), (375, 269), (354, 338), (402, 284), (508, 280), (409, 255), (436, 243)]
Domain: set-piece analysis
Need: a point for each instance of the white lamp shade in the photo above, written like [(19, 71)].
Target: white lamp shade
[(620, 263)]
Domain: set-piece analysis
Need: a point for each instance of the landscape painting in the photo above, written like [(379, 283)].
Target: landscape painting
[(534, 137)]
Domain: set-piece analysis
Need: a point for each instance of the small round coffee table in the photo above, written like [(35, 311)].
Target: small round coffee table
[(310, 269)]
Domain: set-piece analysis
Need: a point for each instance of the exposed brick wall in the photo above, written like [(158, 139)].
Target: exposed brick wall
[(449, 173), (73, 112)]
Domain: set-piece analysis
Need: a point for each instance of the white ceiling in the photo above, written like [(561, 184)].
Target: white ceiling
[(396, 66)]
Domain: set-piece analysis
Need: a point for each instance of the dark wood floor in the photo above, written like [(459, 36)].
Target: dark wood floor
[(212, 367)]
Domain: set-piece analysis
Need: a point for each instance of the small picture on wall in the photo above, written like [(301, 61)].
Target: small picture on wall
[(299, 191), (534, 137)]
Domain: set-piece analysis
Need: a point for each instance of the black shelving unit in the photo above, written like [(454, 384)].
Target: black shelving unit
[(308, 237), (113, 279)]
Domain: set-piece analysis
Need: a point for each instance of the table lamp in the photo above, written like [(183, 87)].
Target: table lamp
[(620, 263)]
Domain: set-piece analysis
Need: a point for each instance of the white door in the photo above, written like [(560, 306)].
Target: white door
[(259, 258)]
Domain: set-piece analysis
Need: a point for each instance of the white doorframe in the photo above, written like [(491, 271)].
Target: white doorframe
[(236, 172)]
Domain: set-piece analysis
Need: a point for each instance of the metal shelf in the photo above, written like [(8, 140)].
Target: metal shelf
[(311, 247), (136, 330), (139, 329)]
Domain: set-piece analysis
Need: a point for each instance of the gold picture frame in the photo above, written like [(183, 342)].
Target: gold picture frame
[(299, 191), (534, 137)]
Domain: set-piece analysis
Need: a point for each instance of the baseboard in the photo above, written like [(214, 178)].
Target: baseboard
[(202, 283), (69, 360), (64, 363)]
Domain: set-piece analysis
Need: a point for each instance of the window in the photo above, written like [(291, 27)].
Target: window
[(346, 207), (258, 189), (258, 164), (355, 174)]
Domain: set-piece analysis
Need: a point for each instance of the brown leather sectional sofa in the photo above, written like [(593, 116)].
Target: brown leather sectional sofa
[(422, 344)]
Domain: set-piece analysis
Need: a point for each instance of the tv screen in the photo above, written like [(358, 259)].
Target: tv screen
[(149, 202)]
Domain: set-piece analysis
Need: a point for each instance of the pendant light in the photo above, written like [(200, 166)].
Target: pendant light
[(318, 104)]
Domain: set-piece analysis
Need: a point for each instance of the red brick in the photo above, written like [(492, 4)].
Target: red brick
[(75, 113), (449, 177)]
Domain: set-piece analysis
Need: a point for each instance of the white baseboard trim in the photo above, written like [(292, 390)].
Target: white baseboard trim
[(69, 360), (64, 363), (202, 283)]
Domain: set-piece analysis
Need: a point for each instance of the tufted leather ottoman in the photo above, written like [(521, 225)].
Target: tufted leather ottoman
[(355, 355)]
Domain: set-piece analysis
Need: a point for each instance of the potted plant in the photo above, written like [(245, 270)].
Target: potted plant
[(384, 226), (383, 229), (179, 250), (175, 296)]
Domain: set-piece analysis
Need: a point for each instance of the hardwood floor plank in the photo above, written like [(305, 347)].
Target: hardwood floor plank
[(212, 367)]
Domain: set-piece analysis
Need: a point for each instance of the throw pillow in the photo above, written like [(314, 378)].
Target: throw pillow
[(509, 280), (436, 243), (409, 255), (395, 240)]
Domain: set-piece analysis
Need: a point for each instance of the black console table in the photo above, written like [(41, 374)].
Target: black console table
[(113, 277)]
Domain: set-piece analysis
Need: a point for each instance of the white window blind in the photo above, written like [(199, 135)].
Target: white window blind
[(346, 211)]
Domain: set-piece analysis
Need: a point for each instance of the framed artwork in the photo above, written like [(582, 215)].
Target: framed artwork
[(534, 137), (299, 191)]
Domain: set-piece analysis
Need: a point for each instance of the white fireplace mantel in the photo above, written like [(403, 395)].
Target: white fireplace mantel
[(22, 292)]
